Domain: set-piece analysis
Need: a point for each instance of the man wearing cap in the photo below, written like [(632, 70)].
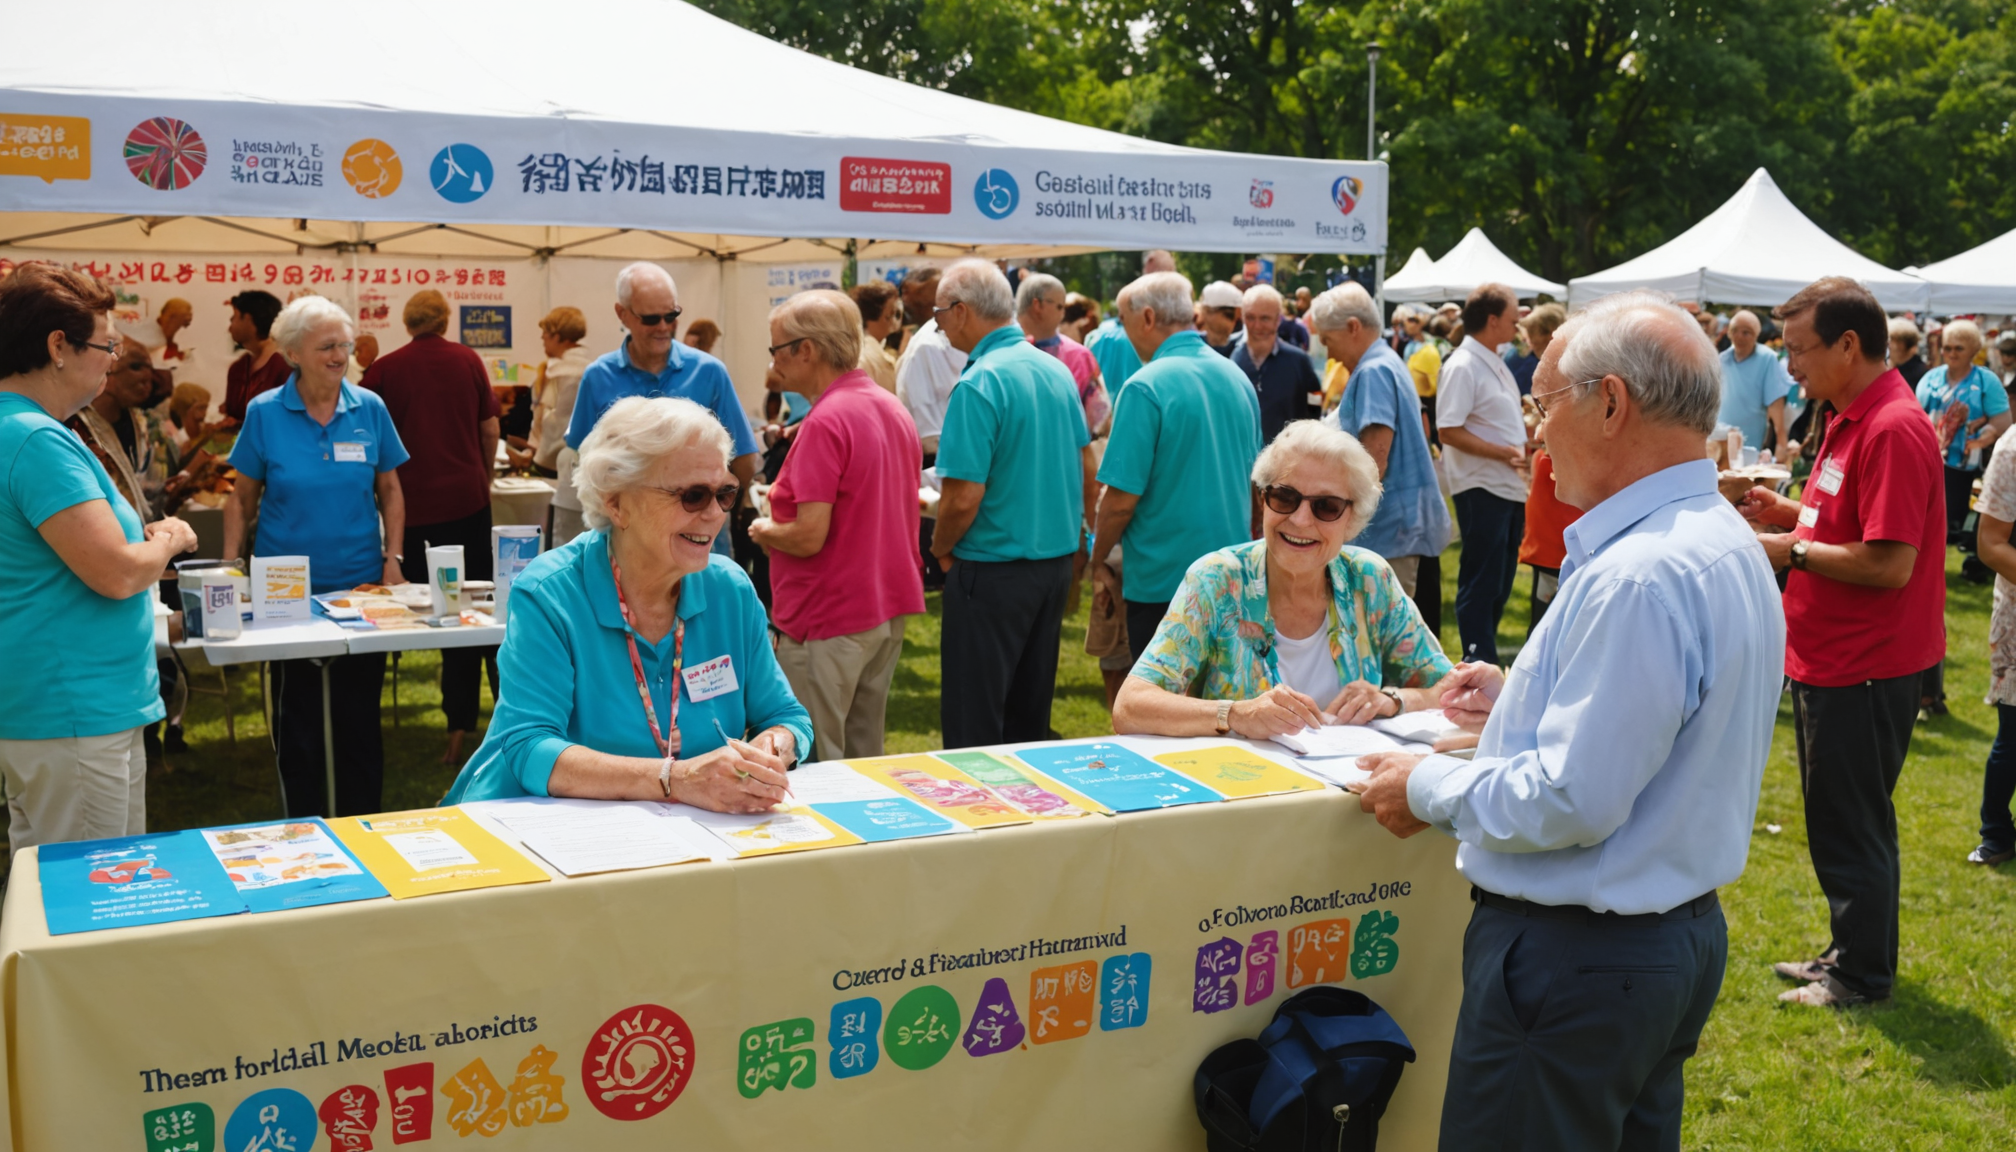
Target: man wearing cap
[(1218, 308)]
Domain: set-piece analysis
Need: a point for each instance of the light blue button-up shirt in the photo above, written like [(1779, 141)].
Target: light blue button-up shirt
[(1412, 519), (1621, 764)]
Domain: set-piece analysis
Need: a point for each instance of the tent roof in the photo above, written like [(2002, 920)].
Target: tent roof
[(1473, 261), (1980, 279), (1755, 249)]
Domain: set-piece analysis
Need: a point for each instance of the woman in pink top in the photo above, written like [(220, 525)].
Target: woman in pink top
[(842, 530)]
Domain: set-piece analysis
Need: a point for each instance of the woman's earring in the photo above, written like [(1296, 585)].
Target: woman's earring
[(59, 365)]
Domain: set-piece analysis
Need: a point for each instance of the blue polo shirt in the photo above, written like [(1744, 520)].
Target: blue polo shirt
[(1015, 424), (689, 374), (320, 498), (1115, 352), (82, 665), (1979, 390), (1184, 437), (1749, 388), (566, 669), (1284, 383), (1412, 519)]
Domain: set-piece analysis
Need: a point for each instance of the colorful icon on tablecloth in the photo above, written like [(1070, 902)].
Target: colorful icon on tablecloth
[(372, 167), (1375, 952), (1062, 1001), (536, 1095), (475, 1101), (638, 1062), (271, 1120), (409, 1096), (349, 1115), (1318, 952), (1262, 953), (1217, 986), (461, 173), (165, 153), (776, 1056), (996, 1026), (852, 1033), (922, 1027), (1124, 982), (188, 1127)]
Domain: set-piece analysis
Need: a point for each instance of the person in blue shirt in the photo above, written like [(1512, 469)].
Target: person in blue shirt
[(637, 665), (1016, 463), (1942, 391), (1185, 434), (1755, 385), (80, 687), (318, 459), (1616, 781), (651, 363), (1108, 342), (1381, 408)]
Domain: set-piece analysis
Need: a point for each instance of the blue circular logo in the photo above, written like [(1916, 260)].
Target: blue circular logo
[(461, 173), (275, 1118), (996, 194)]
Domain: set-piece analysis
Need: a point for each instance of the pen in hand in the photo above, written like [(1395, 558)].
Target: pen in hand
[(740, 746)]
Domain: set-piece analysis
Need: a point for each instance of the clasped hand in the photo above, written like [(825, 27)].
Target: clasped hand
[(744, 777)]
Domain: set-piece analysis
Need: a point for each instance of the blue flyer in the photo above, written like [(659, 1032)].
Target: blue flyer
[(1119, 778), (290, 864), (893, 819), (129, 880)]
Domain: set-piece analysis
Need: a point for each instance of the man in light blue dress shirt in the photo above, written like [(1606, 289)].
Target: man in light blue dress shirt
[(1614, 786)]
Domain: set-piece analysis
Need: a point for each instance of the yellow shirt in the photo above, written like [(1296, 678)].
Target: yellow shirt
[(1334, 378), (1426, 365)]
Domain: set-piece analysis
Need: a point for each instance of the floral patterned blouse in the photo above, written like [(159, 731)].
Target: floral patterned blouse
[(1219, 634), (1998, 499)]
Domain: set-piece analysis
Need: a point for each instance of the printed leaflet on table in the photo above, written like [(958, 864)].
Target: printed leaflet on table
[(771, 833), (292, 864), (1043, 800), (128, 880), (1340, 740), (1118, 778), (433, 850), (938, 786), (861, 806), (1237, 773), (583, 837)]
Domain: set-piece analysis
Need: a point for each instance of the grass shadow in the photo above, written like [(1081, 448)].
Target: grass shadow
[(1954, 1046)]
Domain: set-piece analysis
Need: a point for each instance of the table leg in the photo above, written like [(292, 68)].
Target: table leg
[(328, 738)]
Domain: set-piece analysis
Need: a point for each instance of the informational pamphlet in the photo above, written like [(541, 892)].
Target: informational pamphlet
[(944, 789), (291, 864), (584, 837), (868, 809), (1119, 778), (1043, 800), (1238, 773), (772, 833), (130, 880), (433, 850)]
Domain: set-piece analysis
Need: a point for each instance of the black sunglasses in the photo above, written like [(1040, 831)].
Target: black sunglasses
[(653, 319), (1286, 500), (695, 497)]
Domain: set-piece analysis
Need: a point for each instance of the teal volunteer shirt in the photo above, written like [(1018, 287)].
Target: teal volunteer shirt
[(1016, 425)]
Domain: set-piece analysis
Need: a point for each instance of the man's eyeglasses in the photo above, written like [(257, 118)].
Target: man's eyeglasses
[(775, 348), (653, 319), (937, 312), (695, 497), (1540, 398), (1286, 500)]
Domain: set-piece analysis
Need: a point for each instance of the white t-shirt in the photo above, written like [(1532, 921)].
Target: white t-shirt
[(1306, 665), (1477, 393), (925, 375)]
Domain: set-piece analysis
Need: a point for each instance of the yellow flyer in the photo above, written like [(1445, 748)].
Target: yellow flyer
[(797, 829), (433, 850), (1033, 793), (948, 791), (1237, 773)]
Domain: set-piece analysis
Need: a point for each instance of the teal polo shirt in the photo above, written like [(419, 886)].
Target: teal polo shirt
[(1185, 433), (1115, 352), (1015, 424), (321, 496), (81, 665)]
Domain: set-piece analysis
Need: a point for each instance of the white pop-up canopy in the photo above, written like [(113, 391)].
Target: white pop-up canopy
[(1755, 249), (1980, 279), (1473, 261)]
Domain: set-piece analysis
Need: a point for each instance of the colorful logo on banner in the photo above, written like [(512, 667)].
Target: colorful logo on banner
[(372, 167), (49, 148), (868, 185), (996, 194), (165, 154), (638, 1062), (461, 173), (1345, 192), (274, 1119), (1261, 195)]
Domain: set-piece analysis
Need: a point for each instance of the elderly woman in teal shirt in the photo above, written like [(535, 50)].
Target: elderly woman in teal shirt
[(1296, 628), (636, 664)]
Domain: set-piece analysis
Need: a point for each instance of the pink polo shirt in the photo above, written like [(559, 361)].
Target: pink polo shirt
[(857, 451)]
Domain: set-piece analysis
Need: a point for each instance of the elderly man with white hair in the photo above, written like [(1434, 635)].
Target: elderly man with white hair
[(1281, 373), (1616, 781), (652, 363), (1754, 385), (1017, 465), (1117, 359), (1380, 408)]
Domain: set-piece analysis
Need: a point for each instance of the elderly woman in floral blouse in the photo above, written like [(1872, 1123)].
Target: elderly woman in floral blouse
[(1293, 629)]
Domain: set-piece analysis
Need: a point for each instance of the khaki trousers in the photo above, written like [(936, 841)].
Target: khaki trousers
[(1408, 569), (844, 682), (74, 788)]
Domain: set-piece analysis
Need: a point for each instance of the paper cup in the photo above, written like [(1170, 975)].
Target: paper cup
[(220, 608), (444, 578)]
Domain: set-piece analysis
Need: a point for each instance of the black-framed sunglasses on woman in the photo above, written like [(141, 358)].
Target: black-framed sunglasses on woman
[(1286, 500), (694, 497)]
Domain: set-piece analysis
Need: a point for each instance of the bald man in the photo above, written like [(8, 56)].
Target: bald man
[(1754, 386)]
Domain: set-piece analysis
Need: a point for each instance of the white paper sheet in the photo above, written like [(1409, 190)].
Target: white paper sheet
[(835, 783), (429, 849), (613, 838), (1417, 727), (1338, 740)]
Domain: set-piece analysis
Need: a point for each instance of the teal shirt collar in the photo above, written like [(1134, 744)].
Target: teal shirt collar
[(602, 587), (1185, 343), (1008, 335)]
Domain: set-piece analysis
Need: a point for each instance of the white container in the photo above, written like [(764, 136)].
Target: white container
[(220, 608), (512, 547), (445, 569)]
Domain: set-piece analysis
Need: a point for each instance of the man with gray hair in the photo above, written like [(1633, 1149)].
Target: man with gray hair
[(1185, 433), (1754, 386), (1281, 373), (1616, 780), (1108, 342), (1016, 464), (1381, 409), (1039, 309)]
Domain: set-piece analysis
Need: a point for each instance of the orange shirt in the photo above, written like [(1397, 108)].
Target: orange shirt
[(1546, 518)]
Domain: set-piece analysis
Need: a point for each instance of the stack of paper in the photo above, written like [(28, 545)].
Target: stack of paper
[(990, 795), (1416, 727), (433, 850), (864, 807), (1339, 740), (583, 837)]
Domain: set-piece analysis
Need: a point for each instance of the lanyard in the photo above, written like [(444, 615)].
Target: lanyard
[(665, 748)]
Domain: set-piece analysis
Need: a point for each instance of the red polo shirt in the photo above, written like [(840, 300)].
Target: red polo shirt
[(439, 395), (1878, 478), (242, 383)]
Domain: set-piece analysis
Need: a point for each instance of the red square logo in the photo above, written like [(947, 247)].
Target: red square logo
[(895, 186)]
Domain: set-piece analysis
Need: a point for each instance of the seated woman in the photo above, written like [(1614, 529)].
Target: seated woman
[(1279, 632), (635, 663)]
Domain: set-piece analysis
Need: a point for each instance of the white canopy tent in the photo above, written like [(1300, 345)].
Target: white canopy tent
[(1755, 249), (1979, 280), (631, 129), (1473, 261)]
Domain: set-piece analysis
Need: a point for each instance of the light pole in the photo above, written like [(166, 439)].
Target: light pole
[(1371, 100)]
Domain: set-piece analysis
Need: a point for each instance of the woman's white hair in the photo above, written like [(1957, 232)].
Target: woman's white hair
[(1339, 453), (1347, 301), (1964, 332), (302, 317), (630, 440)]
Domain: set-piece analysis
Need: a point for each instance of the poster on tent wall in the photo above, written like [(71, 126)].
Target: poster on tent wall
[(156, 157)]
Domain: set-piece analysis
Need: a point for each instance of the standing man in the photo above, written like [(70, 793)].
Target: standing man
[(929, 367), (1109, 343), (1865, 616), (262, 368), (1614, 786), (1754, 386), (1218, 316), (1016, 463), (1177, 467), (1039, 309), (1484, 450), (442, 404), (1380, 408), (1280, 372)]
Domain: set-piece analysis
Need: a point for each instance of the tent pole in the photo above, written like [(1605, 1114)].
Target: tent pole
[(67, 231), (1379, 284)]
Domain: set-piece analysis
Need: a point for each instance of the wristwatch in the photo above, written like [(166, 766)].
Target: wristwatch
[(1799, 555), (1224, 725), (1393, 694)]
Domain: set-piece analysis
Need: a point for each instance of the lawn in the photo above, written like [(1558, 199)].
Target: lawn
[(1931, 1070)]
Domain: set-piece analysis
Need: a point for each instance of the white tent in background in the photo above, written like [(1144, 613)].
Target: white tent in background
[(1473, 261), (1980, 279), (1755, 249)]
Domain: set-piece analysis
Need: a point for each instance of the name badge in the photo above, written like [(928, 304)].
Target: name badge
[(706, 681), (1809, 515), (350, 452), (1831, 476)]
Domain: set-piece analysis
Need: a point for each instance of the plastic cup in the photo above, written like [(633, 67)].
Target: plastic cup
[(444, 578)]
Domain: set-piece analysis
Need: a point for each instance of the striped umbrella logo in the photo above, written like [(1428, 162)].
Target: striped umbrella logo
[(165, 154)]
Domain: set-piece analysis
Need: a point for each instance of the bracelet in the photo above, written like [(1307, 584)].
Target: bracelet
[(665, 775)]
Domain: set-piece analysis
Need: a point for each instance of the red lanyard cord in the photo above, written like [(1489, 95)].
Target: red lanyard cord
[(665, 747)]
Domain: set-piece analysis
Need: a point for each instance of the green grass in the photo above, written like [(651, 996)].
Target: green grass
[(1933, 1069)]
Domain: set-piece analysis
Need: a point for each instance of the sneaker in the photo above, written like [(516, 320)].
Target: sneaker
[(1991, 855), (1807, 971), (1828, 993)]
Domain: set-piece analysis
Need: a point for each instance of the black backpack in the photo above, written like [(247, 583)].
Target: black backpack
[(1317, 1080)]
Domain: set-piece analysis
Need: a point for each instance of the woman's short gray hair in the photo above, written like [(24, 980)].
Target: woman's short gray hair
[(1964, 332), (629, 441), (1336, 450), (1168, 293), (981, 287), (1347, 301), (1655, 347), (304, 316), (828, 320)]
